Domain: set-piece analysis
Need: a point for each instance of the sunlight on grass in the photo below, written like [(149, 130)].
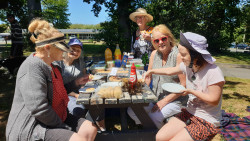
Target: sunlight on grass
[(233, 58)]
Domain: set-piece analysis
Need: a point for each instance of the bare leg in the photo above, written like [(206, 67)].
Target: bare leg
[(87, 130), (170, 129), (76, 137), (101, 125), (183, 135)]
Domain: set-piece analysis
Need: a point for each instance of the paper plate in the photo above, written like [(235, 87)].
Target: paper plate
[(172, 87), (97, 77), (111, 84)]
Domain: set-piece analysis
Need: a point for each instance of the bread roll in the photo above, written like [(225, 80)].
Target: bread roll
[(117, 92)]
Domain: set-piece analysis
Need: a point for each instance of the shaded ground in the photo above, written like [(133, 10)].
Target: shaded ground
[(235, 70)]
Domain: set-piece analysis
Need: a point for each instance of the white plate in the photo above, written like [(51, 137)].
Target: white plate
[(83, 90), (97, 77), (111, 84), (172, 87)]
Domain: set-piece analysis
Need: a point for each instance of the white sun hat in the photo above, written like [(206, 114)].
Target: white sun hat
[(140, 12), (196, 43)]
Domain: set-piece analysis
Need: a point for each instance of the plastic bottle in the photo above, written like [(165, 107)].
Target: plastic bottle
[(118, 54), (133, 77), (108, 55), (124, 60)]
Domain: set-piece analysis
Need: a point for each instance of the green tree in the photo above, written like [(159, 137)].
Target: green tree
[(216, 20), (118, 29), (56, 12), (84, 26), (3, 27)]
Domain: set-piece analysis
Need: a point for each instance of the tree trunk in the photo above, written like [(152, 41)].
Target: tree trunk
[(123, 21), (34, 8)]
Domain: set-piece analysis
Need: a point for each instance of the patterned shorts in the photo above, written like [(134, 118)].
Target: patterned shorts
[(198, 128)]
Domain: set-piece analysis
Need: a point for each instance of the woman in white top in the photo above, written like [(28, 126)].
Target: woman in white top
[(204, 82)]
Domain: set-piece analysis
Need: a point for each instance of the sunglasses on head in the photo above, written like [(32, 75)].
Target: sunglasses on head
[(163, 39)]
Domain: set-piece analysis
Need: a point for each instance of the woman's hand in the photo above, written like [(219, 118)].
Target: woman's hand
[(186, 92), (147, 75), (82, 80), (159, 105), (146, 36)]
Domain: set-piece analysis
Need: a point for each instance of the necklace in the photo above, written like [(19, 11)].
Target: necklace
[(193, 76)]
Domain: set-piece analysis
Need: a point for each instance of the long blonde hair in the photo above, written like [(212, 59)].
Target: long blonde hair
[(41, 30), (166, 31)]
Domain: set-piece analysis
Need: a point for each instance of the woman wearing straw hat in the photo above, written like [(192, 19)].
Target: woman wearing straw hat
[(141, 39), (39, 108), (204, 81)]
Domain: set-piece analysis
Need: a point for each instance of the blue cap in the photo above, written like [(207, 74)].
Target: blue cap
[(75, 41)]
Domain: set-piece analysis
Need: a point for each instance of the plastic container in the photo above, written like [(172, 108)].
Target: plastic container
[(108, 55), (135, 61), (110, 64), (138, 66), (118, 54)]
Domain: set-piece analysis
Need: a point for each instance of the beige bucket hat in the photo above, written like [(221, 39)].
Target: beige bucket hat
[(140, 11)]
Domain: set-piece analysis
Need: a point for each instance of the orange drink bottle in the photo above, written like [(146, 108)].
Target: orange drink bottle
[(108, 55)]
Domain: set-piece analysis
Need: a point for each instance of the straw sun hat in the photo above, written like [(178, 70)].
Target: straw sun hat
[(140, 12)]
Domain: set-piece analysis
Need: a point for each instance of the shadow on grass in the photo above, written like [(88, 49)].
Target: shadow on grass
[(231, 84), (7, 87), (236, 96)]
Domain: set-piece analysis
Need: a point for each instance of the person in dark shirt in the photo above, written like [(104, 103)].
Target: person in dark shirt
[(16, 37)]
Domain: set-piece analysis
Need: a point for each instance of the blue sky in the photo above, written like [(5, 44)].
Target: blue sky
[(81, 13)]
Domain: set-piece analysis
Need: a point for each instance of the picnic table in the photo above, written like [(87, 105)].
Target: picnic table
[(136, 102)]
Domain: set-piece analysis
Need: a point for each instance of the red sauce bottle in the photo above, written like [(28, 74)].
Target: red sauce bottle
[(133, 77)]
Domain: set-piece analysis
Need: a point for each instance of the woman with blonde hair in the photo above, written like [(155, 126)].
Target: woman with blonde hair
[(39, 109), (166, 55)]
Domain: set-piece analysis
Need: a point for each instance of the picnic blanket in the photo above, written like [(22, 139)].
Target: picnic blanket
[(235, 128)]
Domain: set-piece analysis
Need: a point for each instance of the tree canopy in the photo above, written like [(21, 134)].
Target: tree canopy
[(221, 22)]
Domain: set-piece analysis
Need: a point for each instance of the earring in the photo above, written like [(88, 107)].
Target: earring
[(48, 54)]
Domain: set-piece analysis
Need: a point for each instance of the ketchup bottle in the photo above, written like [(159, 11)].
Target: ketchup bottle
[(133, 77)]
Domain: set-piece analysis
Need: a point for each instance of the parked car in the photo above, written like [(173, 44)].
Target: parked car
[(241, 46), (247, 48), (72, 36)]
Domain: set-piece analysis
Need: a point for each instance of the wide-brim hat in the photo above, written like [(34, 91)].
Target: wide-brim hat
[(75, 41), (57, 41), (196, 43), (141, 12)]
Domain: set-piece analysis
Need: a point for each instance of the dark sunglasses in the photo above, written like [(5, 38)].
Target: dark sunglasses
[(163, 39)]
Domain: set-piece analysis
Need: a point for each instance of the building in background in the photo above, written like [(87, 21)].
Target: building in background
[(84, 34)]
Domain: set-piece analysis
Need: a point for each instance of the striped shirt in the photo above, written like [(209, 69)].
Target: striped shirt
[(16, 32)]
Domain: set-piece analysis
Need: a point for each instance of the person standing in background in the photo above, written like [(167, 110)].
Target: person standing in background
[(16, 37), (141, 38)]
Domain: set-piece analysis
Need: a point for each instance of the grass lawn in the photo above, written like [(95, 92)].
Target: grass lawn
[(236, 93), (233, 58)]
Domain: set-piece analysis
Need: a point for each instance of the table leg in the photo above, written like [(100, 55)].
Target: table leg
[(143, 117), (124, 124)]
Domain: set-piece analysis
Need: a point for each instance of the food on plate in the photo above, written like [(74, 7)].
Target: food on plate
[(114, 79), (90, 89), (110, 92), (91, 76)]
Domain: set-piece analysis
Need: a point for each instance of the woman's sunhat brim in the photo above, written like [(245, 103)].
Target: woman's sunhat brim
[(140, 12), (197, 46), (133, 15), (57, 41)]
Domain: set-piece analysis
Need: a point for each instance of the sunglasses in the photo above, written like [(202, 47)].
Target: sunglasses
[(163, 39)]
